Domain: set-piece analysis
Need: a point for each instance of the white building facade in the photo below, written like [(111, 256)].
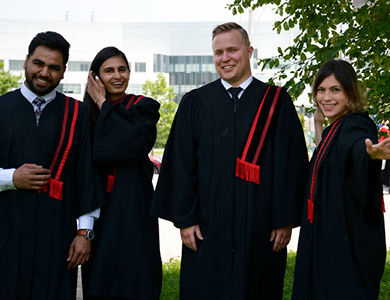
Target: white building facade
[(182, 51)]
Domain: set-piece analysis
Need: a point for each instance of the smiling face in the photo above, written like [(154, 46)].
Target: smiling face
[(115, 76), (331, 98), (44, 70), (232, 57)]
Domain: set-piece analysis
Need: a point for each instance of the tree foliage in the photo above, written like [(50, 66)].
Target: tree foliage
[(7, 80), (160, 91), (332, 29)]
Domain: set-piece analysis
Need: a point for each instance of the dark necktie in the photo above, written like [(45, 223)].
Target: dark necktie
[(235, 91), (38, 109)]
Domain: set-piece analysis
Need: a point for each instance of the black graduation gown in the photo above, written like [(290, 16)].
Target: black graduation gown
[(341, 255), (197, 185), (127, 261), (36, 230)]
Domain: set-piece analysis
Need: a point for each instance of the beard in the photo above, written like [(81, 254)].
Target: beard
[(36, 88)]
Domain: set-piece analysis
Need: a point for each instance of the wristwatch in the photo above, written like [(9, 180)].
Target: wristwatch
[(87, 233)]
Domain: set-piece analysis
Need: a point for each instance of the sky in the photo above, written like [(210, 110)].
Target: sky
[(123, 10)]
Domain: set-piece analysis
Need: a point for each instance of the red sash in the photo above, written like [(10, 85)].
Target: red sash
[(318, 159), (248, 165), (54, 186), (320, 155), (111, 178)]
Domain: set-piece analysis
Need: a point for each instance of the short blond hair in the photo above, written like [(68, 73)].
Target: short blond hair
[(226, 27)]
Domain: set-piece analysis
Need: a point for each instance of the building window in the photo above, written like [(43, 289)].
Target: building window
[(135, 89), (140, 67), (69, 88), (16, 65), (160, 63), (78, 66)]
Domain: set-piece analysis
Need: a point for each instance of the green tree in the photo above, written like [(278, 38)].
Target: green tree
[(160, 91), (7, 80), (332, 29)]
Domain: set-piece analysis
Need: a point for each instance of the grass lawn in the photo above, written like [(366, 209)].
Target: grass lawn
[(171, 274)]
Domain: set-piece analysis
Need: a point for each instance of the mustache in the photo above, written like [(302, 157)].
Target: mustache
[(44, 78)]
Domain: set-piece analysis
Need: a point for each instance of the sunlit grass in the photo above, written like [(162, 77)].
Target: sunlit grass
[(171, 278)]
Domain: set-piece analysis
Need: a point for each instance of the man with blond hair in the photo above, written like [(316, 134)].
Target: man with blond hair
[(231, 179)]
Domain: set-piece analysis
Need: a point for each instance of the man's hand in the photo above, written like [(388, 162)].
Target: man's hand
[(31, 177), (378, 151), (188, 236), (79, 252), (281, 237)]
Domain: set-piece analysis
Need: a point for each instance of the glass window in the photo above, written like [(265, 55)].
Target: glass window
[(16, 65), (78, 66), (140, 67), (160, 63), (135, 89), (69, 88)]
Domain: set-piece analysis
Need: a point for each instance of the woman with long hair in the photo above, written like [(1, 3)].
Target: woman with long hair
[(125, 263), (341, 251)]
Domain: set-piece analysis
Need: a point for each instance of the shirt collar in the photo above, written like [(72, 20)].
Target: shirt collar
[(30, 96), (243, 85)]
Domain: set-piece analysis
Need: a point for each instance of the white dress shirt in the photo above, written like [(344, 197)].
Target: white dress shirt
[(243, 85), (6, 175)]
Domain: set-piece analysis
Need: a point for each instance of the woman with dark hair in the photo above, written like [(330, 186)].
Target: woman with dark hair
[(342, 251), (125, 263)]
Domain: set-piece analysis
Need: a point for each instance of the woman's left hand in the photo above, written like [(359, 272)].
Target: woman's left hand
[(380, 150)]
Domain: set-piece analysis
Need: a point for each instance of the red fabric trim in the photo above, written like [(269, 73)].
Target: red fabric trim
[(319, 157), (245, 152), (62, 134), (383, 204), (139, 98), (70, 141), (310, 210), (55, 184), (264, 133), (130, 102), (111, 180), (247, 171), (55, 190)]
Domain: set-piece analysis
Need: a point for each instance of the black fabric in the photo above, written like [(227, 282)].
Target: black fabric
[(386, 174), (197, 185), (126, 261), (342, 254), (35, 230)]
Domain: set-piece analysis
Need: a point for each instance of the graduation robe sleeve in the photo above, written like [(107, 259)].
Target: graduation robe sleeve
[(85, 174), (180, 166), (125, 135)]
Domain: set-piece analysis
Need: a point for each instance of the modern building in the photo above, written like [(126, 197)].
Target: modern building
[(182, 51)]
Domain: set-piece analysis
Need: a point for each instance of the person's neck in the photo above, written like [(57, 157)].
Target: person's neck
[(118, 99)]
